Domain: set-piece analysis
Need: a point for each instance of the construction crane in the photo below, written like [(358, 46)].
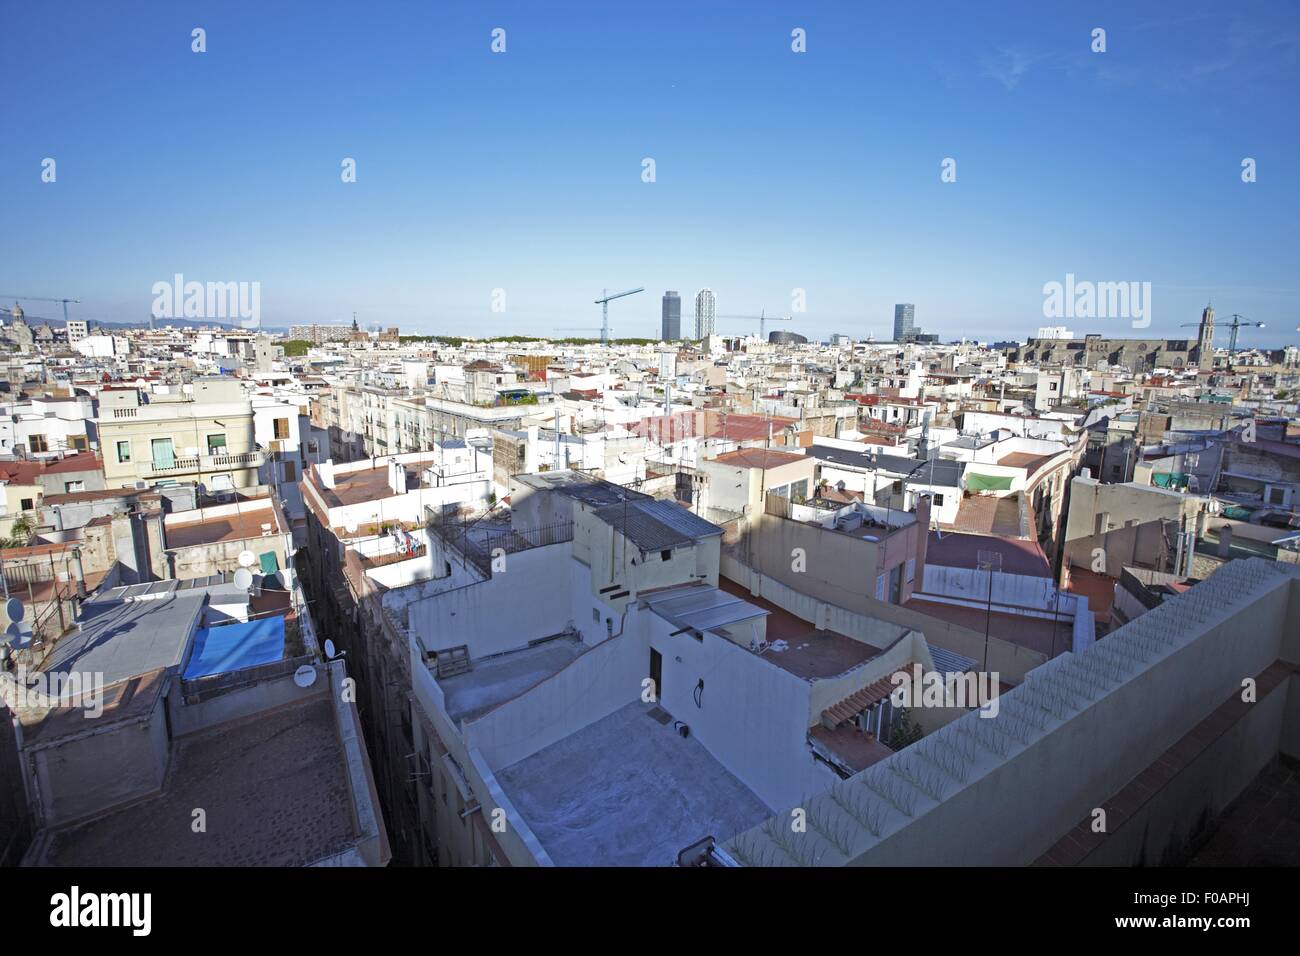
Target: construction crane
[(1234, 325), (37, 298), (603, 302), (763, 319)]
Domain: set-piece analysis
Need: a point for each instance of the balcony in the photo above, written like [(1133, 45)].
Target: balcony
[(193, 464)]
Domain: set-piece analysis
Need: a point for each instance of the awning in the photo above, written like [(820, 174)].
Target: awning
[(977, 482)]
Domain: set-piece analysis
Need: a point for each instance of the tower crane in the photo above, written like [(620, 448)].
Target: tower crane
[(1234, 325), (37, 298), (603, 302)]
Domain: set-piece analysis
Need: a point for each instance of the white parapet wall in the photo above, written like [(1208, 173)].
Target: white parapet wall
[(1003, 790)]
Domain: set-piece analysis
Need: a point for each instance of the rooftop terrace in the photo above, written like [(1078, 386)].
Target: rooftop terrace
[(274, 787), (799, 647), (627, 790)]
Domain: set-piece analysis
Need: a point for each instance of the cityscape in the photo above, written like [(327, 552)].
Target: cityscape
[(352, 520)]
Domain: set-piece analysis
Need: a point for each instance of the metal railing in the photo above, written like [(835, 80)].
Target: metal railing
[(480, 544), (191, 463)]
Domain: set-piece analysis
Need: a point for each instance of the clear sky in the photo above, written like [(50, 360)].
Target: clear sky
[(774, 170)]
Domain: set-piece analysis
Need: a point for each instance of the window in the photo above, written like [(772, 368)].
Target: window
[(880, 586), (1275, 496), (69, 487), (290, 472), (281, 428), (217, 444), (26, 504), (123, 451), (938, 500), (79, 442), (37, 443), (666, 554)]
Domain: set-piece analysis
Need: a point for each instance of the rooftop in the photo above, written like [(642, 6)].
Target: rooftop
[(121, 638), (192, 532), (799, 647), (368, 484), (921, 471), (987, 515), (580, 486), (274, 787), (494, 680), (850, 746), (1026, 460), (627, 790), (1036, 633), (760, 458), (656, 525), (952, 549)]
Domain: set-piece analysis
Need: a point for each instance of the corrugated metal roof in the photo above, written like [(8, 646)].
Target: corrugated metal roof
[(702, 608), (950, 662), (656, 525)]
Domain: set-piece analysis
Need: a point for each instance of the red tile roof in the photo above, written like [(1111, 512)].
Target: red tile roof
[(760, 458)]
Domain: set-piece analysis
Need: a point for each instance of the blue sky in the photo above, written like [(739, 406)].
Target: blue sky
[(774, 170)]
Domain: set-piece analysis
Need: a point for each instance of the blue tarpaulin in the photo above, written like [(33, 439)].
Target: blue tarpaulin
[(232, 647)]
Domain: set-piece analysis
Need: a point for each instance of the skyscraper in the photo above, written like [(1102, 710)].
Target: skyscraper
[(904, 322), (705, 309), (672, 318)]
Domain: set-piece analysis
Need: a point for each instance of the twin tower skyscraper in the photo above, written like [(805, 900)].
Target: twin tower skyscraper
[(704, 320)]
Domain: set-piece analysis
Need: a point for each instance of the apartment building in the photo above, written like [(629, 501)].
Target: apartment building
[(205, 436), (586, 584), (194, 686), (47, 426), (990, 790)]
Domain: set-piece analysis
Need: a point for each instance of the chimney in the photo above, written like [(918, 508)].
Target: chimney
[(396, 476), (77, 574)]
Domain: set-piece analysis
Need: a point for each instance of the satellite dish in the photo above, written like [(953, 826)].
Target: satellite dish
[(330, 651), (11, 611), (305, 676), (140, 383), (243, 579), (247, 559), (351, 526)]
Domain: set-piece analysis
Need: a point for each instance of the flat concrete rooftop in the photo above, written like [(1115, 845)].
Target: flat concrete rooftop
[(275, 788), (627, 791), (495, 680)]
